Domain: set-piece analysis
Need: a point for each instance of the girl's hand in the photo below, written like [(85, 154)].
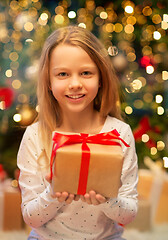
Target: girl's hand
[(93, 198), (64, 196)]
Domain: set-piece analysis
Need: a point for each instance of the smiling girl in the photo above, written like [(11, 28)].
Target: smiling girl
[(77, 92)]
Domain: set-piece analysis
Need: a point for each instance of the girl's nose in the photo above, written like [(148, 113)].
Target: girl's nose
[(75, 83)]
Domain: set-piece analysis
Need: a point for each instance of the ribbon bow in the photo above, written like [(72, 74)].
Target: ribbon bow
[(61, 140)]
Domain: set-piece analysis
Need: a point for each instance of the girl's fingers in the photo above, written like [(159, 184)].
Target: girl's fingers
[(70, 198), (76, 197), (100, 198), (63, 197), (87, 198), (82, 198), (93, 199)]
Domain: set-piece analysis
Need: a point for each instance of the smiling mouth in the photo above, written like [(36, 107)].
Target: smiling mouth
[(75, 96)]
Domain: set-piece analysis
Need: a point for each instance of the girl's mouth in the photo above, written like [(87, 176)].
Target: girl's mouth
[(75, 96)]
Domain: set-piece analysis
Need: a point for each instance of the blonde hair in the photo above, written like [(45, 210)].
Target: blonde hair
[(107, 99)]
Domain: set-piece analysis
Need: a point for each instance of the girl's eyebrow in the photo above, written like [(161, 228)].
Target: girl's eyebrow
[(84, 66)]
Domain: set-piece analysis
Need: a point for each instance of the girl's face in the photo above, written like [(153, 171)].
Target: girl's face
[(74, 79)]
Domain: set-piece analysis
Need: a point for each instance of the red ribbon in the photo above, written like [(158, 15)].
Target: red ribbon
[(61, 140)]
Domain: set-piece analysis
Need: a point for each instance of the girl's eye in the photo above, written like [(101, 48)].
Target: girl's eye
[(63, 74), (86, 73)]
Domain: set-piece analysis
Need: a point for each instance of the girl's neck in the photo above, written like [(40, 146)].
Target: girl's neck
[(82, 123)]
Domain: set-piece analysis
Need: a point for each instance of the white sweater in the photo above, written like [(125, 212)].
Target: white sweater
[(53, 220)]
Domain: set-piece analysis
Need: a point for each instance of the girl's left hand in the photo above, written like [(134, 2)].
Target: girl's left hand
[(93, 198)]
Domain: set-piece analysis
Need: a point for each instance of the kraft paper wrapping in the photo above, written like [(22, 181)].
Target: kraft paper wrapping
[(104, 169), (10, 202)]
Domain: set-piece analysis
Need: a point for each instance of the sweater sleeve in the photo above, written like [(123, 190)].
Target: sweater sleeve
[(38, 206), (123, 209)]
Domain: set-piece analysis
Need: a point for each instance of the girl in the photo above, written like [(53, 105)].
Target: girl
[(77, 92)]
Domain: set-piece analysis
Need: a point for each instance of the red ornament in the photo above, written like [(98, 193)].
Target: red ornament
[(3, 174), (143, 128), (6, 95)]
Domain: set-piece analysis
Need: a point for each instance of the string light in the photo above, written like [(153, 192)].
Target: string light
[(128, 110), (8, 73), (150, 69), (165, 159), (83, 25), (145, 138), (103, 15), (160, 110), (2, 105), (165, 75), (160, 145), (165, 17), (17, 117), (59, 19), (153, 151), (156, 35), (129, 9), (16, 84), (28, 26), (159, 98), (44, 16), (72, 14), (137, 84)]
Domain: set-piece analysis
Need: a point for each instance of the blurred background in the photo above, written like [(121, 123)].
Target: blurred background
[(135, 35)]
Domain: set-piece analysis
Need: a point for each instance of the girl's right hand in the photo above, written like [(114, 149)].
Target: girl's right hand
[(63, 196), (67, 197)]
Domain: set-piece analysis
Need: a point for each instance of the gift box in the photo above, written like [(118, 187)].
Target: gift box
[(82, 162), (142, 221), (10, 202)]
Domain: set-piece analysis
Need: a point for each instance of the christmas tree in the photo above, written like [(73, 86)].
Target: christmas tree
[(135, 35)]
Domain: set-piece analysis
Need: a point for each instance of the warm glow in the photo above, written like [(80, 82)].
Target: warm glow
[(160, 145), (28, 26), (59, 19), (129, 9), (72, 14), (153, 151), (128, 110), (160, 110), (103, 15), (13, 56), (118, 27), (150, 69), (136, 84), (44, 16), (17, 117), (2, 105), (22, 98), (159, 98), (147, 11), (165, 159), (16, 84), (37, 108), (8, 73), (165, 17), (145, 138), (157, 35), (83, 25), (164, 25), (129, 28), (164, 75)]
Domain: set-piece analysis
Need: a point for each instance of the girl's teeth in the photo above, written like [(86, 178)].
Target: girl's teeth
[(75, 97)]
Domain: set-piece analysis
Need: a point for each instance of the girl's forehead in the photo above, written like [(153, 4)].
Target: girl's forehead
[(70, 55), (69, 50)]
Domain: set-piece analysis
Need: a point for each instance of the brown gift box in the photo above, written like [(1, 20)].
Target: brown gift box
[(104, 172), (12, 217)]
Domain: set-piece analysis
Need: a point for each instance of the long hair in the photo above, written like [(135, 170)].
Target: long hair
[(107, 99)]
